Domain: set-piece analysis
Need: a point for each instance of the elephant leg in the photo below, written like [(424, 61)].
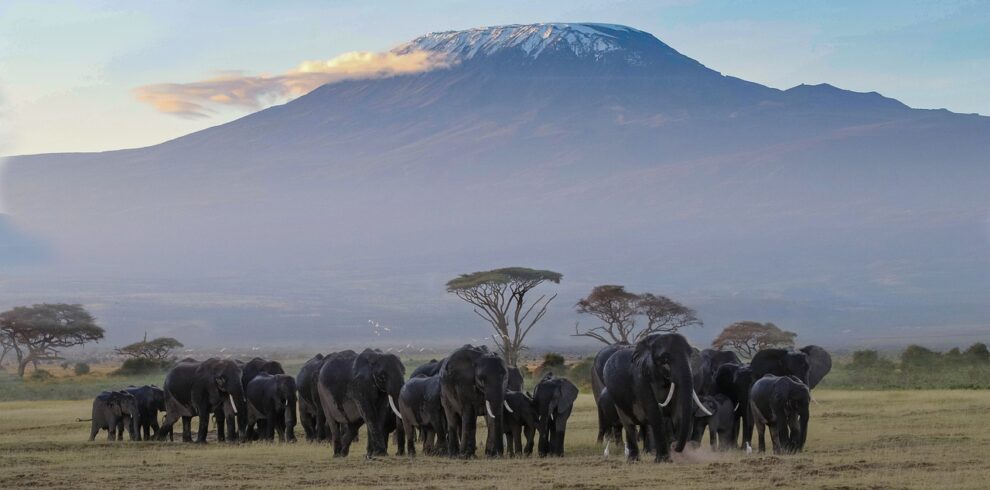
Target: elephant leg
[(632, 448), (517, 446), (187, 429), (760, 426), (748, 422), (453, 434), (530, 431), (410, 432), (335, 435), (469, 431), (350, 434), (400, 438), (204, 424), (94, 430), (557, 438), (429, 436)]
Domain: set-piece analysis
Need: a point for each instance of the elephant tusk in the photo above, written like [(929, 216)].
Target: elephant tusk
[(233, 405), (488, 406), (735, 408), (607, 442), (670, 395), (698, 402), (507, 407), (391, 403)]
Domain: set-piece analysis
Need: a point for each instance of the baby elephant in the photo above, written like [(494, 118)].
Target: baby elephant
[(519, 414), (720, 423), (272, 405), (112, 411), (781, 402), (554, 399)]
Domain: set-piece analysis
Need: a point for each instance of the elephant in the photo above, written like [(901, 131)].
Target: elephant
[(251, 369), (519, 417), (820, 363), (201, 389), (429, 369), (150, 400), (472, 383), (357, 389), (515, 379), (112, 411), (420, 406), (607, 424), (554, 399), (781, 402), (652, 384), (734, 381), (711, 360), (780, 362), (311, 415), (272, 398), (720, 424)]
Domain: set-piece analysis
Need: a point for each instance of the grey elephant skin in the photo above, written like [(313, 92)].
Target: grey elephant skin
[(431, 368), (780, 362), (711, 360), (720, 424), (113, 411), (422, 413), (780, 403), (656, 370), (554, 399), (819, 364), (202, 389), (150, 400), (357, 389), (734, 382), (249, 370), (311, 415), (272, 406), (608, 418), (473, 383)]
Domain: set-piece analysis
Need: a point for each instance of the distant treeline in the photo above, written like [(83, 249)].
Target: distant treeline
[(916, 367)]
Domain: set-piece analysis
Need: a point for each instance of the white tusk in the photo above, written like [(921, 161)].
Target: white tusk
[(607, 442), (391, 403), (670, 394), (488, 406), (627, 451), (507, 407), (735, 408), (232, 404), (698, 402)]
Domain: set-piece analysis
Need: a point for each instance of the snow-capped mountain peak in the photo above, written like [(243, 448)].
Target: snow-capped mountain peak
[(583, 40)]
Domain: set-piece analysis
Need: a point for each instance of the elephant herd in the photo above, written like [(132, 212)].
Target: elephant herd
[(336, 394), (662, 391), (659, 392)]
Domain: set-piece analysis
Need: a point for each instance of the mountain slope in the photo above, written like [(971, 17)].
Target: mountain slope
[(592, 149)]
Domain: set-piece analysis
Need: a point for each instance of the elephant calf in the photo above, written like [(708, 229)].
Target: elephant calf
[(554, 398), (112, 411), (781, 402), (720, 422), (150, 400), (421, 408), (519, 415), (272, 399)]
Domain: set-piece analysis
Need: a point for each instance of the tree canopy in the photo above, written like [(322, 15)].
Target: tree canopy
[(499, 298), (159, 349), (618, 310), (40, 331), (747, 338)]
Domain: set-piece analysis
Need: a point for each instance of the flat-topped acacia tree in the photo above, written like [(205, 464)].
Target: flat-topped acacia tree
[(499, 298), (38, 333)]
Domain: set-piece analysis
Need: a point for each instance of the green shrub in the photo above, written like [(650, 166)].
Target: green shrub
[(580, 372), (916, 357), (81, 368), (41, 375)]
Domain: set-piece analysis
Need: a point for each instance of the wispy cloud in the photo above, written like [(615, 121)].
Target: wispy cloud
[(236, 89)]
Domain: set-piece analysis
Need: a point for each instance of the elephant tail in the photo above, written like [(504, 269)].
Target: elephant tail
[(84, 420)]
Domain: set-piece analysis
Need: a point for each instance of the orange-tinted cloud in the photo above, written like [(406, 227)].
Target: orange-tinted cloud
[(194, 99)]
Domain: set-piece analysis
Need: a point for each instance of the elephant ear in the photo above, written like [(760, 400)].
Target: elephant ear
[(567, 395), (642, 356), (820, 363)]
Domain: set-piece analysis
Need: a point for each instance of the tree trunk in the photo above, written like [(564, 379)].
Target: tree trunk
[(22, 365)]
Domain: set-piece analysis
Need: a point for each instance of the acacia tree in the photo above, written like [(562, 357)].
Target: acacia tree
[(499, 298), (618, 309), (159, 349), (36, 333), (747, 338)]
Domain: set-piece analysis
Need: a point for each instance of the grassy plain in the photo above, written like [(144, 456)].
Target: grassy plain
[(858, 439)]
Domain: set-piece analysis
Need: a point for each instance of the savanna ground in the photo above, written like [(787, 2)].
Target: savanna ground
[(858, 439)]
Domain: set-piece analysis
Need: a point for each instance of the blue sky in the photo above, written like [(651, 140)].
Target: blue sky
[(68, 70)]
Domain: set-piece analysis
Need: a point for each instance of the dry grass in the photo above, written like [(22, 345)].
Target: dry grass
[(906, 439)]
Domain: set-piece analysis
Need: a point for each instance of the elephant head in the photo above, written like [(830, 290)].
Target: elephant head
[(491, 380), (124, 404), (554, 399), (663, 361), (157, 398), (225, 389), (385, 372), (820, 363)]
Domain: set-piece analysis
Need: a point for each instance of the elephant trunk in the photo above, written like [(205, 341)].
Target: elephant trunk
[(290, 416), (685, 395), (494, 400), (803, 436)]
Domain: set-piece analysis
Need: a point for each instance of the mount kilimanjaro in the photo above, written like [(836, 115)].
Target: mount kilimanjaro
[(592, 149)]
